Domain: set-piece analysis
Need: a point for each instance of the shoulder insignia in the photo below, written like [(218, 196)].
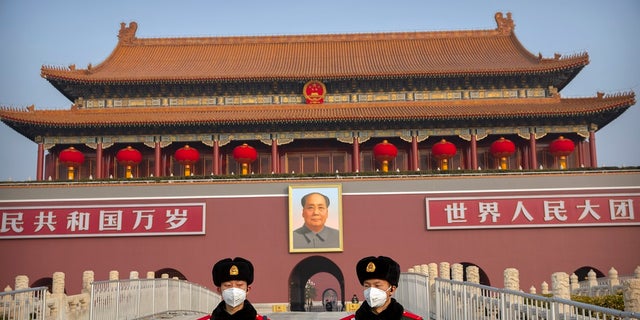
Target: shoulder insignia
[(349, 317)]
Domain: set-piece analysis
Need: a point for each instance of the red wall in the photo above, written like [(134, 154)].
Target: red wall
[(256, 227)]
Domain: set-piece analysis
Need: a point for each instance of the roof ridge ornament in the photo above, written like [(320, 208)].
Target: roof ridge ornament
[(127, 34), (505, 25)]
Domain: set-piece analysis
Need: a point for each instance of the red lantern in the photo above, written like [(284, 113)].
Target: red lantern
[(561, 148), (385, 152), (129, 157), (503, 149), (443, 151), (245, 154), (71, 158), (187, 156)]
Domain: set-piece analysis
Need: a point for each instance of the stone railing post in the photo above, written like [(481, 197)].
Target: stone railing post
[(574, 283), (560, 285), (433, 274), (592, 280), (631, 295), (7, 298), (544, 288), (614, 281), (425, 269), (473, 274), (445, 271), (22, 282), (114, 275), (58, 283), (151, 275), (560, 288), (512, 282), (512, 279), (457, 272), (87, 280), (133, 275), (59, 306), (532, 290)]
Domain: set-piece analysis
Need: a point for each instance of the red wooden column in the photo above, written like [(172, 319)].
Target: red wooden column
[(474, 152), (158, 159), (533, 156), (592, 149), (40, 162), (216, 157), (99, 163), (356, 155), (414, 153), (274, 156)]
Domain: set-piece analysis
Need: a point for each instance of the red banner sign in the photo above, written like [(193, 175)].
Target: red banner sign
[(532, 211), (102, 220)]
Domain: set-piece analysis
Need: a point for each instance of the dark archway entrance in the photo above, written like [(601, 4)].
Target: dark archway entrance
[(172, 273), (303, 271), (583, 273)]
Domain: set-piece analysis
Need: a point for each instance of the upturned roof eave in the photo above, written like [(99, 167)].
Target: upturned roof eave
[(76, 77), (609, 109)]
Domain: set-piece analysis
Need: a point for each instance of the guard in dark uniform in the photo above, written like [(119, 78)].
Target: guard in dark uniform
[(380, 276), (233, 279)]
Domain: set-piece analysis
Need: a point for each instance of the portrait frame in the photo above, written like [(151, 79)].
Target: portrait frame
[(333, 221)]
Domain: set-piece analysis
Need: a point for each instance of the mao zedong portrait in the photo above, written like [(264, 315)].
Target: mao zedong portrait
[(314, 233)]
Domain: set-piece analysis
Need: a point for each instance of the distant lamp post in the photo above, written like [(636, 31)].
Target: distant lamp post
[(384, 152), (245, 155), (187, 156), (72, 158), (561, 148), (443, 151), (129, 157), (502, 149)]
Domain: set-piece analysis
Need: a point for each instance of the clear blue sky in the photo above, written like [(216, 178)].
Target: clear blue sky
[(60, 33)]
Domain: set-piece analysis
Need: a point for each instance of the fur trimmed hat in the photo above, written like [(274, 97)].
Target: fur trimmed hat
[(236, 269), (378, 268)]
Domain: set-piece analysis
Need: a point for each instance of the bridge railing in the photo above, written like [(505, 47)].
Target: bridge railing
[(457, 300), (414, 293), (136, 298), (27, 303)]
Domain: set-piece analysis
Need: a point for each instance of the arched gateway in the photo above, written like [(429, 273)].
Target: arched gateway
[(303, 271)]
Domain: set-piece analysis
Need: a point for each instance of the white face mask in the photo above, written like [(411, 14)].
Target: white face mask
[(234, 296), (375, 297)]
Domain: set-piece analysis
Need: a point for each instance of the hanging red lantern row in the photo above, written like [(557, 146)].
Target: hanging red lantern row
[(71, 158), (443, 151), (129, 157), (561, 148), (384, 152), (502, 149), (187, 156), (245, 155)]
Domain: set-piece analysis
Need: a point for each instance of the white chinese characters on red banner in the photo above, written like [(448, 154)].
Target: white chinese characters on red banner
[(102, 220), (532, 211)]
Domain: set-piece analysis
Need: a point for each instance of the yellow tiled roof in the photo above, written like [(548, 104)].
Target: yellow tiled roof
[(338, 112), (331, 56)]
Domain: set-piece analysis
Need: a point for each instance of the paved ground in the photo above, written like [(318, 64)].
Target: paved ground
[(184, 315)]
